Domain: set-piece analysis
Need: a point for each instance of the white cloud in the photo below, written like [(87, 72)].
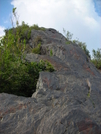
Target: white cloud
[(77, 16), (2, 31)]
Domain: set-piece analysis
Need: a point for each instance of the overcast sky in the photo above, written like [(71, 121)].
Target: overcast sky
[(80, 17)]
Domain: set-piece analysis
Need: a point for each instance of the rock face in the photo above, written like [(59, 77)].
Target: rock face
[(66, 101)]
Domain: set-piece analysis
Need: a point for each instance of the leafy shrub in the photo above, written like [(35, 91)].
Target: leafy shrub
[(36, 27), (68, 42), (17, 76), (49, 66), (83, 47), (22, 79), (37, 50), (97, 58), (37, 45)]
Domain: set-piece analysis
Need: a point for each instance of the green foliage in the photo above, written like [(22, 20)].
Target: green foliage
[(88, 95), (36, 27), (11, 66), (68, 35), (68, 42), (15, 15), (37, 45), (83, 47), (17, 76), (37, 49), (97, 54), (24, 32), (21, 78), (97, 58), (14, 10), (51, 52), (49, 66)]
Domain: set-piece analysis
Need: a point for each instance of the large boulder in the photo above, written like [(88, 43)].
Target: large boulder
[(66, 101)]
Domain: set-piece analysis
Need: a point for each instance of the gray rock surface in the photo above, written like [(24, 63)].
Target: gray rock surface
[(63, 103)]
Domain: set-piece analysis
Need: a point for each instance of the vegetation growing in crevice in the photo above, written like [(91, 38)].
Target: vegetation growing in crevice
[(37, 45), (49, 66), (51, 52), (17, 76), (68, 42), (37, 49)]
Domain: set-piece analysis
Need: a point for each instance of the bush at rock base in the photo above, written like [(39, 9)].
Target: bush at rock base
[(17, 76)]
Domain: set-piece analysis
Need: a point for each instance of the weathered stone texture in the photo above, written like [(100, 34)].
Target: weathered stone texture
[(61, 104)]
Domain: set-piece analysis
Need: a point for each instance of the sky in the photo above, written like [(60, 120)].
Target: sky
[(82, 18)]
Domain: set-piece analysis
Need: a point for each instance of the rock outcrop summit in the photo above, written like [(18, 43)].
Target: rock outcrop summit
[(66, 101)]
